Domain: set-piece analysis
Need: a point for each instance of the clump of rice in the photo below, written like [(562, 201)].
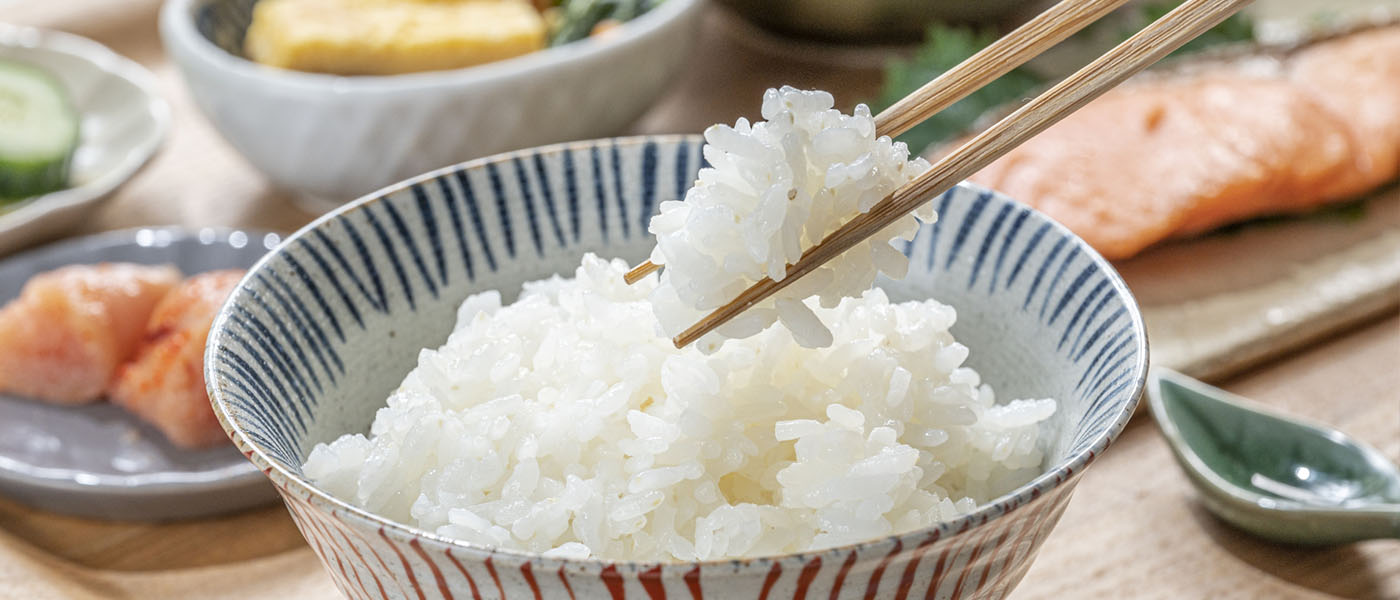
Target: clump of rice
[(774, 189), (564, 424)]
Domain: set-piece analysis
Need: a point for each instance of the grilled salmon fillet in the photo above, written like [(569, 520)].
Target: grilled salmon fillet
[(164, 383), (70, 328), (1358, 78), (1178, 155)]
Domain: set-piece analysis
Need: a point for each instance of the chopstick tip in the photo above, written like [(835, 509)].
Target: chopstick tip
[(640, 271)]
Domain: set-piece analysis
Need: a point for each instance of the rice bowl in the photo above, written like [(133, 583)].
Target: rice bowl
[(1045, 316)]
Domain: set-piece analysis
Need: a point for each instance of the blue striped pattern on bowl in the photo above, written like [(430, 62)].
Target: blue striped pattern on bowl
[(325, 327)]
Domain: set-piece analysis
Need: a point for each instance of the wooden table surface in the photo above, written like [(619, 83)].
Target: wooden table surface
[(1133, 530)]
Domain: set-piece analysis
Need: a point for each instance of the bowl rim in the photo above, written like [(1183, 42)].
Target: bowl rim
[(177, 28), (1060, 475)]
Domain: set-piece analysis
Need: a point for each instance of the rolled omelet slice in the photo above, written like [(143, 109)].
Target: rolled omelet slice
[(368, 37)]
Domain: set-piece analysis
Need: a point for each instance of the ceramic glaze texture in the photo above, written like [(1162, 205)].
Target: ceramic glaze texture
[(1275, 476), (334, 138), (327, 326)]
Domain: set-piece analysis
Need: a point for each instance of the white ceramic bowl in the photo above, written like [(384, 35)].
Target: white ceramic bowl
[(331, 138)]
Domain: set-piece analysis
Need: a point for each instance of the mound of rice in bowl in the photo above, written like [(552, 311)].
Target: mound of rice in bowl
[(568, 424), (564, 424)]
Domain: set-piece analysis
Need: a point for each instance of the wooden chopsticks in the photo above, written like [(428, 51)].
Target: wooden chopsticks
[(998, 58), (1154, 42)]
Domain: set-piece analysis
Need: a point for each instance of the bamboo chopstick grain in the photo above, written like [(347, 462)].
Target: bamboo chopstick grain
[(998, 58), (640, 271)]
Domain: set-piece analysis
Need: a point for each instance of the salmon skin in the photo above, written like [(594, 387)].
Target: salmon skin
[(1185, 150), (70, 328), (164, 383)]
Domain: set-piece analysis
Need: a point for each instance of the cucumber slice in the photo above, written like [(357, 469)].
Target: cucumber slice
[(38, 132)]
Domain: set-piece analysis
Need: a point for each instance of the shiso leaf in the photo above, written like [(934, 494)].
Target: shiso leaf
[(944, 47)]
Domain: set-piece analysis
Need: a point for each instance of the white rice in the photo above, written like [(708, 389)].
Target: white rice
[(774, 189), (568, 424), (564, 424)]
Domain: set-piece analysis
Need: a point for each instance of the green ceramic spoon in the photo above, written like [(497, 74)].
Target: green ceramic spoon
[(1272, 475)]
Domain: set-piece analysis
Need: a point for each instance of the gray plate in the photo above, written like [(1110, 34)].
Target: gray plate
[(97, 460)]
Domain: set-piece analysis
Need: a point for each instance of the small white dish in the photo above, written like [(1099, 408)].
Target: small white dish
[(124, 121)]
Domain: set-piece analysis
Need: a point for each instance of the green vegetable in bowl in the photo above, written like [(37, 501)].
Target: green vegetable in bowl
[(38, 132), (576, 19)]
